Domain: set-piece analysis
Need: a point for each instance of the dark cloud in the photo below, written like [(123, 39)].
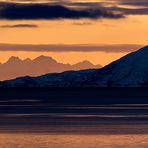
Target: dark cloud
[(66, 9), (70, 48), (138, 7), (128, 11), (19, 26), (19, 11), (134, 2), (140, 11)]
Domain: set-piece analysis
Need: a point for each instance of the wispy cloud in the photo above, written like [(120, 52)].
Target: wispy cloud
[(19, 26), (71, 48), (82, 23)]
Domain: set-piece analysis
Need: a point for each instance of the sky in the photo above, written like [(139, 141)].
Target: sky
[(100, 31)]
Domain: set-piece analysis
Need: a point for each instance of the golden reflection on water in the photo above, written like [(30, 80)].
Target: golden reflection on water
[(72, 141)]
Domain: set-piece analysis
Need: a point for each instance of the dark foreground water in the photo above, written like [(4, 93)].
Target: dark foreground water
[(33, 124), (74, 118)]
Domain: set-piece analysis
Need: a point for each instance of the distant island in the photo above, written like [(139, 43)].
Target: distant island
[(129, 71)]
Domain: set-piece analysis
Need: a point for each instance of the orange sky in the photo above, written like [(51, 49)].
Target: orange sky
[(130, 30), (70, 57)]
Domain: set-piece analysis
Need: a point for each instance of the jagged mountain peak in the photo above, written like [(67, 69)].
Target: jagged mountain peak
[(27, 60), (85, 62), (43, 57), (129, 71), (16, 67), (14, 59)]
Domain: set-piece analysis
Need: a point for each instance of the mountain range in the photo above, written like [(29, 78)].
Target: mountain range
[(15, 67), (128, 71)]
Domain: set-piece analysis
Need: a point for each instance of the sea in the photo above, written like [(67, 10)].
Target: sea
[(34, 124)]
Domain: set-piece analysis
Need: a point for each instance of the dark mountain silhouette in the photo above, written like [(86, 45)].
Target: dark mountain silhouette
[(129, 71), (15, 67)]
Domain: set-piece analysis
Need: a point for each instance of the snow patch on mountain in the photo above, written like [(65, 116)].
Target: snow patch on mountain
[(129, 71)]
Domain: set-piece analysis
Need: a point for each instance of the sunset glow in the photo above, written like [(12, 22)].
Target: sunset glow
[(132, 29)]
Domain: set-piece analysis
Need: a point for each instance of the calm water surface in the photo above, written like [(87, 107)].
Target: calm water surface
[(48, 126), (72, 141)]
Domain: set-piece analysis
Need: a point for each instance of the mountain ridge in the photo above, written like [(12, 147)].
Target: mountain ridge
[(16, 67), (128, 71)]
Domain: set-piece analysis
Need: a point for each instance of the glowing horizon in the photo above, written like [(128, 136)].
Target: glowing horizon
[(132, 29)]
